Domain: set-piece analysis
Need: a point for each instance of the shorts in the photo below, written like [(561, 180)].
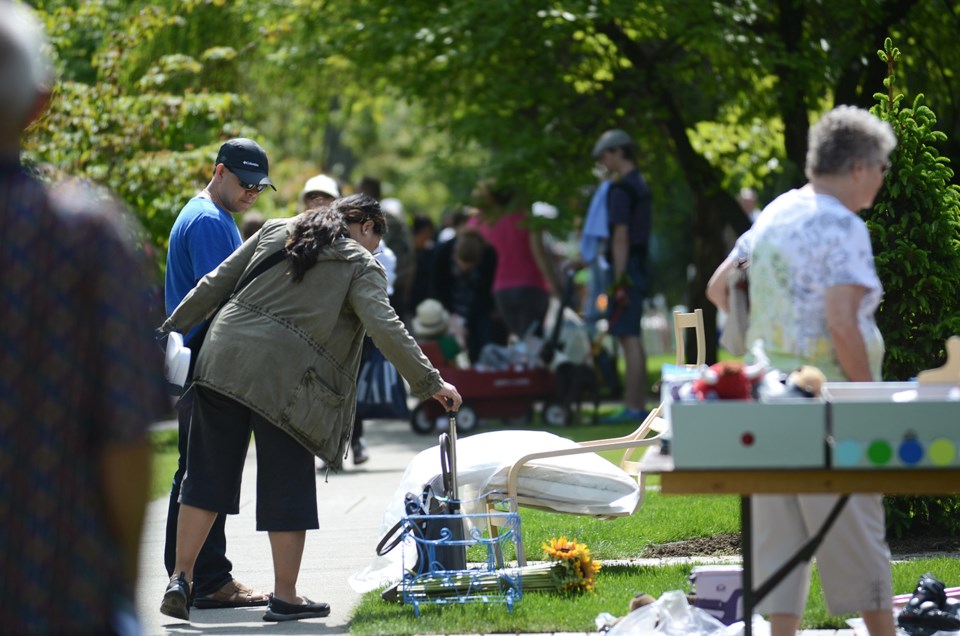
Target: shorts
[(217, 449), (853, 560), (625, 320)]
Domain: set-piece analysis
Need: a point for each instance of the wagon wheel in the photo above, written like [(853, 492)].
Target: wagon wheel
[(555, 413), (420, 421), (467, 419)]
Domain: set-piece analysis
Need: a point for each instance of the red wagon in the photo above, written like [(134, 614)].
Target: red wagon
[(491, 394)]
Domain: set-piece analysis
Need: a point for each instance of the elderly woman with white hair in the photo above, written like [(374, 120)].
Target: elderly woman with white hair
[(814, 291)]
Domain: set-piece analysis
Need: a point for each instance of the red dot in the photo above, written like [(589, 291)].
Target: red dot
[(747, 439)]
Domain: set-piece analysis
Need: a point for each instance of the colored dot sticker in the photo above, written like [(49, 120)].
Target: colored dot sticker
[(847, 453), (747, 439), (942, 452), (879, 452), (911, 451)]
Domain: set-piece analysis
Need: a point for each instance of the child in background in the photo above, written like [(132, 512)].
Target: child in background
[(432, 323)]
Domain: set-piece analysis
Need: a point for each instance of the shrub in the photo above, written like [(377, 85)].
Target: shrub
[(915, 229)]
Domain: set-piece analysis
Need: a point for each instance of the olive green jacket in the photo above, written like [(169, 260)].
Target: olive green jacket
[(291, 351)]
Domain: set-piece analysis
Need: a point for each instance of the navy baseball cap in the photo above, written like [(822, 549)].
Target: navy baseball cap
[(246, 159)]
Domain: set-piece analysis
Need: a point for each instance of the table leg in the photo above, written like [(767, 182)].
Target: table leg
[(746, 547)]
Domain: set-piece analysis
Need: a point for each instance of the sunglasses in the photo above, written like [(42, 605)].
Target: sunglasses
[(249, 187)]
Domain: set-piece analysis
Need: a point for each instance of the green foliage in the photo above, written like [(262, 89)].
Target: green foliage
[(915, 229), (922, 516), (130, 116)]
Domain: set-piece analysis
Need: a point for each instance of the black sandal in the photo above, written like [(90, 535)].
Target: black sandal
[(278, 610)]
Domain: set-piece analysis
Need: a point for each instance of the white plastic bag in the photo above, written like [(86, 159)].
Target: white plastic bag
[(671, 614), (176, 361)]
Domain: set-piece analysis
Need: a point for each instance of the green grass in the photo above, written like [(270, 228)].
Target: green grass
[(616, 585), (164, 462), (662, 519)]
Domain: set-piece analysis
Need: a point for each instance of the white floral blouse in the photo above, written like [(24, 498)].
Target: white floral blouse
[(802, 244)]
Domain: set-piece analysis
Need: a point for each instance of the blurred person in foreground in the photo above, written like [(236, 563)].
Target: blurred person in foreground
[(304, 319), (80, 380), (204, 234), (816, 290)]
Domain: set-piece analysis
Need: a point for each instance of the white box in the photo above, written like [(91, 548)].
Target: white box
[(719, 591)]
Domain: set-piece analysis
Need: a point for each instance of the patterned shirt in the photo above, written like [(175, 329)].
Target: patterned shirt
[(78, 371), (802, 244)]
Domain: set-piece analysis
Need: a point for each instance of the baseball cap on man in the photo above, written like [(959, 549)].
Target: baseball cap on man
[(614, 138), (246, 159), (324, 184)]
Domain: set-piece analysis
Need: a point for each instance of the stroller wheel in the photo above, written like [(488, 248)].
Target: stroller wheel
[(420, 421), (555, 414)]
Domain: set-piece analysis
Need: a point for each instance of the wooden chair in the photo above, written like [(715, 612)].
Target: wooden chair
[(645, 435), (689, 320)]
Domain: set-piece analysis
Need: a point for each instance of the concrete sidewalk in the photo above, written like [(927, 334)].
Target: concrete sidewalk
[(351, 509)]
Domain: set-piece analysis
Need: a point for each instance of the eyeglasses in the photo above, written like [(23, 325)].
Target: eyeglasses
[(249, 187)]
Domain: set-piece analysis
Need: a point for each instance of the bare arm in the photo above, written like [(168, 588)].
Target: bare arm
[(717, 291), (843, 301), (620, 247), (125, 482)]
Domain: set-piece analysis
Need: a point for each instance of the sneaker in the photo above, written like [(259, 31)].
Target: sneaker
[(278, 611), (360, 453), (176, 600), (926, 612), (626, 415)]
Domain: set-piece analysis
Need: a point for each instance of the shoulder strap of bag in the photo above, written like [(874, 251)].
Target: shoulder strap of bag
[(261, 267)]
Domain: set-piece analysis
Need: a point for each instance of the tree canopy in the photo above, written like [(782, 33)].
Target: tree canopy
[(432, 96)]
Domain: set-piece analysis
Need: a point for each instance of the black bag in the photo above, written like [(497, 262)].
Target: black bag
[(380, 390), (434, 519), (428, 530)]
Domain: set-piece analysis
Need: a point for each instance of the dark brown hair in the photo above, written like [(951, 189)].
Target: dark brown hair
[(314, 230), (360, 208), (469, 247)]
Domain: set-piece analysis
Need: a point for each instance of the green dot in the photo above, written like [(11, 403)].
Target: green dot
[(942, 452), (879, 452)]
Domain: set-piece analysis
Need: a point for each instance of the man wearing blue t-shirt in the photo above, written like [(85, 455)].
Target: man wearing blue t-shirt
[(203, 235), (629, 220)]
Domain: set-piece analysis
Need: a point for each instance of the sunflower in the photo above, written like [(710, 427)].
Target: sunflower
[(579, 570)]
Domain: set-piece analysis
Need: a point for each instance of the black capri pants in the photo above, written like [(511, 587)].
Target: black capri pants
[(217, 449)]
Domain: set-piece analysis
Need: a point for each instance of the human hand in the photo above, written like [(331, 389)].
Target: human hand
[(621, 296), (448, 397)]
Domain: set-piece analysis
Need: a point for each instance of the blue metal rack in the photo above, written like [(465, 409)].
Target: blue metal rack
[(486, 581)]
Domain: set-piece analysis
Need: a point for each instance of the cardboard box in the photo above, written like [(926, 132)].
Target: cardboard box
[(719, 591), (742, 435), (893, 425)]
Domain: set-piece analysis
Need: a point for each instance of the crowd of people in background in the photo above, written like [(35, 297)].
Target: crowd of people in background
[(80, 380)]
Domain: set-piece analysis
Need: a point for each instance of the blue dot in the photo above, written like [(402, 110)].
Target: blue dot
[(847, 453), (911, 451)]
